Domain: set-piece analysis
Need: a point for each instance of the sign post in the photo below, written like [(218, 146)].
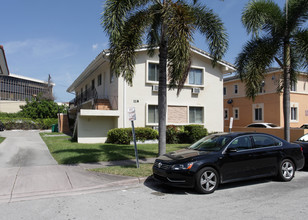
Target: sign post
[(231, 124), (132, 118)]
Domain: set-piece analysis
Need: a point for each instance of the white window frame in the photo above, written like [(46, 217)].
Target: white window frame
[(202, 74), (293, 86), (295, 106), (147, 72), (147, 115), (202, 107), (235, 89), (257, 106), (238, 113)]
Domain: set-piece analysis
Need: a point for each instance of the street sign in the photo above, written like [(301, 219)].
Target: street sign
[(132, 114)]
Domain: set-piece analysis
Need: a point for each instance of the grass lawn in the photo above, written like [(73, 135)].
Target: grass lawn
[(1, 139), (67, 152), (143, 171)]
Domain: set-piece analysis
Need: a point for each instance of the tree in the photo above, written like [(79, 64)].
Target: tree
[(168, 25), (277, 35)]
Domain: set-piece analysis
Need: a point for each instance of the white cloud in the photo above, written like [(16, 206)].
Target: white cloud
[(94, 46), (40, 48)]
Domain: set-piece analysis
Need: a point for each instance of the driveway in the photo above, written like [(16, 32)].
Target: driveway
[(23, 149), (28, 171)]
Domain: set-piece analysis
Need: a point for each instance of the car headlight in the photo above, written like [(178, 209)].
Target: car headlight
[(184, 166)]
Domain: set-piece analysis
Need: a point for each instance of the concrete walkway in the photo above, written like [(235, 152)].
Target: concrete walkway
[(27, 171)]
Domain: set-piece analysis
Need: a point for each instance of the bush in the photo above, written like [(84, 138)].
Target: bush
[(28, 124), (193, 133), (125, 135), (172, 134)]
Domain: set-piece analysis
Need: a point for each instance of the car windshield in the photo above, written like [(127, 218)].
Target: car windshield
[(304, 138), (211, 143)]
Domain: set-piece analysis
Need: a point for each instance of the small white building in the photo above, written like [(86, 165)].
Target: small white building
[(102, 100)]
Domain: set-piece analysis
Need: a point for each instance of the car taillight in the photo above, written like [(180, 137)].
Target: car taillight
[(302, 149)]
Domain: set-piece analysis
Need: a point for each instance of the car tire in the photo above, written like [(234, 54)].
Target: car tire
[(286, 170), (207, 180)]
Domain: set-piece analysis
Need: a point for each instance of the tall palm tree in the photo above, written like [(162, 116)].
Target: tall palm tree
[(279, 35), (167, 25)]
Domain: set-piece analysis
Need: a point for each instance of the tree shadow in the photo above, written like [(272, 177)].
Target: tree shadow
[(106, 152)]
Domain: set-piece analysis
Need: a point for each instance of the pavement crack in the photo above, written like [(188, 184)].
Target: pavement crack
[(11, 196), (69, 180)]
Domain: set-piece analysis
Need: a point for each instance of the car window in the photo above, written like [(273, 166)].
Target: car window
[(273, 125), (304, 138), (261, 141), (241, 143), (256, 126), (211, 143)]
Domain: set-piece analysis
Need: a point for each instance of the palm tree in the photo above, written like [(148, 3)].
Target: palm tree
[(277, 35), (167, 25)]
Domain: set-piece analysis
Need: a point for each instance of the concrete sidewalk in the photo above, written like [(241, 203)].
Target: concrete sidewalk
[(28, 171), (26, 183)]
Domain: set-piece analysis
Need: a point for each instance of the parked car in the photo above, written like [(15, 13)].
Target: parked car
[(262, 125), (228, 157), (303, 142), (304, 126)]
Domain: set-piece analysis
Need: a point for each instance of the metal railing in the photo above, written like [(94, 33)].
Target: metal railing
[(89, 94)]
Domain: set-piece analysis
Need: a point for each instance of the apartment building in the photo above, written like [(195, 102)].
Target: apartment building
[(268, 105), (102, 100)]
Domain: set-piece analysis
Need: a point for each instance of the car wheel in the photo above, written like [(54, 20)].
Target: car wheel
[(286, 170), (207, 180)]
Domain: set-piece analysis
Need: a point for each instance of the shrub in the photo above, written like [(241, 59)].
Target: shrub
[(172, 134), (124, 135), (192, 133), (28, 124)]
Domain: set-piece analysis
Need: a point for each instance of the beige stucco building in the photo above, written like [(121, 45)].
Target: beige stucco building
[(102, 100), (268, 105)]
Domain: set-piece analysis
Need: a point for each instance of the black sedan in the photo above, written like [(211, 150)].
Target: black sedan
[(228, 157), (303, 142)]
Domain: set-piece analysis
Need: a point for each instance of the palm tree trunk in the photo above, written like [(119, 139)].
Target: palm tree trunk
[(286, 80), (162, 93)]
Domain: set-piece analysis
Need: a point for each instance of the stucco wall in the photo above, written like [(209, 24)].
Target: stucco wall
[(10, 106)]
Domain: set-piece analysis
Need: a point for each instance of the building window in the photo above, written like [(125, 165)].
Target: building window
[(293, 86), (235, 89), (99, 80), (93, 84), (153, 72), (293, 113), (153, 114), (195, 115), (236, 113), (226, 114), (258, 114), (195, 76), (225, 91)]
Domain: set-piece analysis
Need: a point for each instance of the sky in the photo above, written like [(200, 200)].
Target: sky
[(61, 37)]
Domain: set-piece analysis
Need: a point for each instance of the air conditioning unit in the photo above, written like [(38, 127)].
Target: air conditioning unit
[(155, 88), (195, 90)]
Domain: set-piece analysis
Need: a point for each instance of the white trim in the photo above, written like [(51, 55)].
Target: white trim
[(30, 79), (238, 113), (254, 106), (294, 105)]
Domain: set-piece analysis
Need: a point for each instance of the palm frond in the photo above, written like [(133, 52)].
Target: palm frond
[(122, 50), (297, 13), (179, 32), (115, 15), (257, 55), (210, 25), (300, 47), (262, 15)]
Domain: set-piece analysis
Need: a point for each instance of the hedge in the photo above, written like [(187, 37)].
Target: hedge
[(185, 134), (28, 124), (125, 135)]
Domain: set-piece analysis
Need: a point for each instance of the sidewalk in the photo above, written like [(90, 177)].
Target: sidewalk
[(27, 183)]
